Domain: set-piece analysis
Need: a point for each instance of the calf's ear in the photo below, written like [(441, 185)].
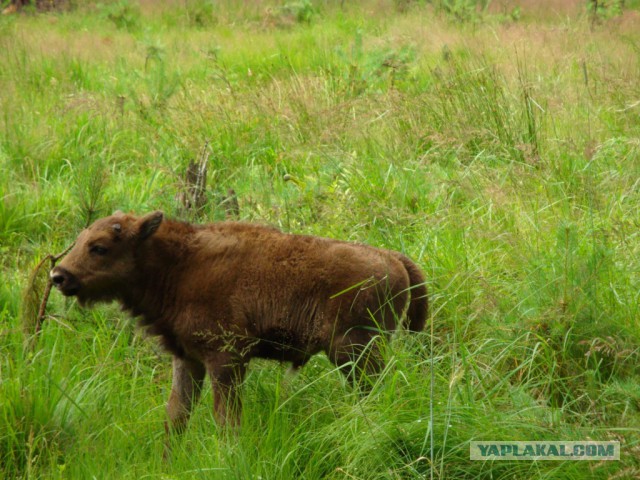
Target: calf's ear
[(148, 224)]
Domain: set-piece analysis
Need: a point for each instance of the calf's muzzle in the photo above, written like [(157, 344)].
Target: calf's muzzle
[(64, 281)]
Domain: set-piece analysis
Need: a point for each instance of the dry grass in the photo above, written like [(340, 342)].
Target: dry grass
[(540, 9)]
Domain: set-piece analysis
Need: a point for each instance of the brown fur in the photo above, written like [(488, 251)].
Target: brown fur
[(221, 294)]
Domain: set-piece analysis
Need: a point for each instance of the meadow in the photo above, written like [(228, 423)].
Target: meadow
[(498, 147)]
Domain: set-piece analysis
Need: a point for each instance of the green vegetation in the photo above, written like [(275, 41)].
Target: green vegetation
[(498, 148)]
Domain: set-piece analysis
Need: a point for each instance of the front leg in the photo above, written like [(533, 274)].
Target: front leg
[(227, 372), (188, 376)]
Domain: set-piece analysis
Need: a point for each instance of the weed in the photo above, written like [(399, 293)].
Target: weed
[(122, 13), (201, 13), (604, 9), (375, 70), (462, 10), (302, 10)]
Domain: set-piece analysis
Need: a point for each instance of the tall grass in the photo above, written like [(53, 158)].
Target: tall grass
[(502, 155)]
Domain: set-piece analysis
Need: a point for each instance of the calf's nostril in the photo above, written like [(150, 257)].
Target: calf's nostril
[(57, 278)]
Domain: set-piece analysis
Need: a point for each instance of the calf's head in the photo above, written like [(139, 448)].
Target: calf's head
[(101, 265)]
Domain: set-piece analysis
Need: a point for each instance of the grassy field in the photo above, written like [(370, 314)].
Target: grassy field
[(500, 149)]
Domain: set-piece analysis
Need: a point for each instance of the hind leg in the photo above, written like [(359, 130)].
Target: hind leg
[(357, 354)]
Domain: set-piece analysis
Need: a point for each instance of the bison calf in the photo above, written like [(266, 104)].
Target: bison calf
[(221, 294)]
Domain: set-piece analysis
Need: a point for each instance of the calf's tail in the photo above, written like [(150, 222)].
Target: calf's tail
[(419, 303)]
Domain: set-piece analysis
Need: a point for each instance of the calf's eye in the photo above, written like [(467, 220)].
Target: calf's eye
[(98, 250)]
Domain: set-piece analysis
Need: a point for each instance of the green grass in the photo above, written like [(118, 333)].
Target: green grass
[(502, 155)]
